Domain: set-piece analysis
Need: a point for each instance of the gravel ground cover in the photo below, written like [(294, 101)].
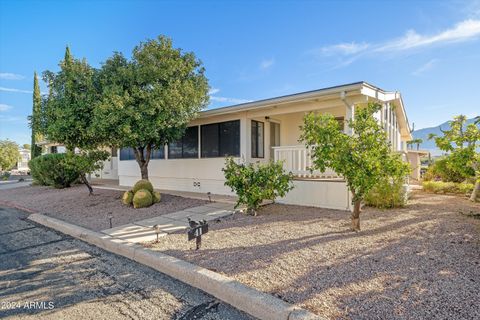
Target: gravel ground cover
[(418, 262), (74, 205)]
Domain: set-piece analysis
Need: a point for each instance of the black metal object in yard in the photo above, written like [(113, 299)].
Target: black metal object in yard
[(196, 230)]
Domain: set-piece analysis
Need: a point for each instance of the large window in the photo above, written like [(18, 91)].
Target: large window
[(128, 154), (221, 139), (257, 139), (186, 147)]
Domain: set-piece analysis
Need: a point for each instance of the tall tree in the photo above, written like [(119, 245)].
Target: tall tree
[(9, 154), (362, 159), (147, 102), (68, 110), (461, 142), (35, 150)]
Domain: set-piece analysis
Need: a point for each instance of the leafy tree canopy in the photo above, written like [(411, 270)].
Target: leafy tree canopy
[(462, 142), (9, 154), (148, 101), (363, 158)]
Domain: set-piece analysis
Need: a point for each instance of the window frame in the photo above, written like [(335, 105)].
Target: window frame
[(219, 139), (181, 141), (256, 151)]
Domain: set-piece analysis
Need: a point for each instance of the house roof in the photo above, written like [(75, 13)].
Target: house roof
[(360, 87)]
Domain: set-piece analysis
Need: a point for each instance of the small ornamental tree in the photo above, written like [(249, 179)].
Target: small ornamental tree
[(462, 142), (9, 154), (254, 183), (148, 101), (363, 159)]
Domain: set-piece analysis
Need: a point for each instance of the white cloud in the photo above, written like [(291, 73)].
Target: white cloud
[(14, 90), (5, 107), (462, 31), (425, 67), (11, 76), (343, 48), (466, 30), (267, 63), (229, 100), (213, 91)]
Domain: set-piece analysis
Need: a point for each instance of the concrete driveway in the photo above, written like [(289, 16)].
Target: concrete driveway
[(47, 275)]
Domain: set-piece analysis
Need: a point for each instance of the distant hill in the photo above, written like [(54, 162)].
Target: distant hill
[(430, 144)]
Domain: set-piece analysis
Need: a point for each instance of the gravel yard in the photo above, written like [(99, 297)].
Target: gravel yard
[(419, 262), (74, 205)]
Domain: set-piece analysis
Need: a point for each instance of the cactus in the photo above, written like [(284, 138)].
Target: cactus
[(142, 198), (142, 184), (127, 197), (156, 196)]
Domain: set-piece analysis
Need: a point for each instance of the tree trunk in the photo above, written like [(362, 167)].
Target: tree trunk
[(356, 215), (84, 179), (476, 191), (143, 159)]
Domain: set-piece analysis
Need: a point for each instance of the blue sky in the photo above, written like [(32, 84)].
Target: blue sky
[(427, 50)]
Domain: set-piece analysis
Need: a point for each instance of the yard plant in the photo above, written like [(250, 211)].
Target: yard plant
[(254, 183), (142, 195), (461, 141), (363, 158), (9, 154)]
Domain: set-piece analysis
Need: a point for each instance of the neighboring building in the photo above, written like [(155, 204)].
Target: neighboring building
[(22, 164), (414, 158), (266, 130)]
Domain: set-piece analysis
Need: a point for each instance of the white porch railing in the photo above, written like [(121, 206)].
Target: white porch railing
[(297, 160)]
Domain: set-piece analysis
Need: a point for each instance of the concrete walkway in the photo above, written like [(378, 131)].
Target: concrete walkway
[(142, 231)]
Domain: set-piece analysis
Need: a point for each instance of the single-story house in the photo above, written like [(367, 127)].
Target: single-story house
[(266, 130), (261, 131)]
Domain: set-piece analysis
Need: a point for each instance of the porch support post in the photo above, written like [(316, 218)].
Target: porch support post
[(349, 115)]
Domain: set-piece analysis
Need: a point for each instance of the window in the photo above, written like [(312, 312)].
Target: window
[(221, 139), (128, 154), (114, 152), (257, 139), (341, 123), (53, 149), (186, 147), (274, 134)]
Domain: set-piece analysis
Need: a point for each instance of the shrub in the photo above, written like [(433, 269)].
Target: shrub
[(388, 193), (156, 196), (447, 187), (254, 183), (142, 184), (142, 198), (5, 175), (443, 170), (53, 170), (127, 197)]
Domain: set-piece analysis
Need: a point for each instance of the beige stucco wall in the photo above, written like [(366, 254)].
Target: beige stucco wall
[(415, 164)]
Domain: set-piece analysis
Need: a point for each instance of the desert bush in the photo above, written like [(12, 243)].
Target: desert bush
[(53, 170), (388, 193), (156, 196), (142, 198), (127, 197), (254, 183), (142, 184), (444, 170), (447, 187)]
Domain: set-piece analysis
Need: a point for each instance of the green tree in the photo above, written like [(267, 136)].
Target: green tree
[(363, 158), (461, 141), (67, 112), (34, 119), (147, 102), (26, 146), (9, 154)]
